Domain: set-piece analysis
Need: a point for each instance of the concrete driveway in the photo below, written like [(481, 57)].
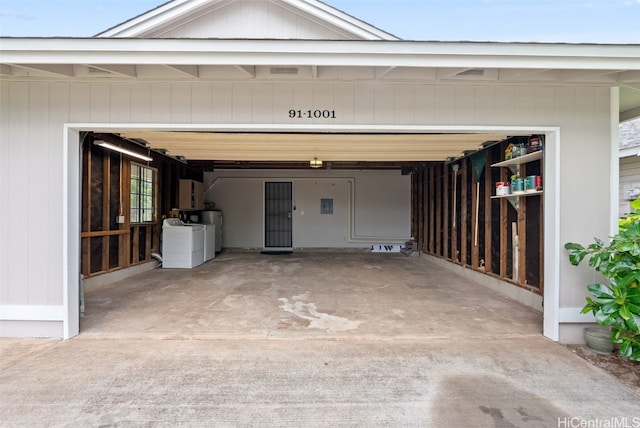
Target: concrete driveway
[(306, 340)]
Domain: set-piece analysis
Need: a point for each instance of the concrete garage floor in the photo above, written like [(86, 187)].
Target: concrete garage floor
[(305, 340), (303, 296)]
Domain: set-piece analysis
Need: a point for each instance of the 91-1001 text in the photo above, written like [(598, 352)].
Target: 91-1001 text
[(312, 114)]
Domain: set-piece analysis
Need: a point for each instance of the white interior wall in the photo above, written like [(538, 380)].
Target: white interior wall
[(369, 207), (35, 173)]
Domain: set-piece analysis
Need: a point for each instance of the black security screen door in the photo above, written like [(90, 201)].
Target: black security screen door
[(277, 214)]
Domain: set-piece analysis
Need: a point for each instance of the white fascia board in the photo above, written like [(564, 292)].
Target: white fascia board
[(152, 18), (340, 19), (175, 9), (312, 52)]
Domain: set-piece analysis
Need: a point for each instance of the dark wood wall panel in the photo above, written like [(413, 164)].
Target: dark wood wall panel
[(444, 206), (106, 244)]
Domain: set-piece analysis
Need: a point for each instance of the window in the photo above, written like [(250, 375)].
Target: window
[(142, 193)]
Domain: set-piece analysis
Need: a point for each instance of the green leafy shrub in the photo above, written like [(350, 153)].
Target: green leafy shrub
[(617, 304)]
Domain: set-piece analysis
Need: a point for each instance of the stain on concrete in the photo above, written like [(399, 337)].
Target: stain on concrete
[(526, 416), (398, 312), (251, 287), (316, 319), (498, 417), (491, 401)]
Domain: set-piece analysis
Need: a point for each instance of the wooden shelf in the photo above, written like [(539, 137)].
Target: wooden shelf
[(529, 157), (517, 195)]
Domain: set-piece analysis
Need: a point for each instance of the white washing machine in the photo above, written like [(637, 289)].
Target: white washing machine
[(182, 244)]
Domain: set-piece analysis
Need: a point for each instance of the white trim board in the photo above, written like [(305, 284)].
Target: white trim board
[(32, 312), (71, 195), (574, 316)]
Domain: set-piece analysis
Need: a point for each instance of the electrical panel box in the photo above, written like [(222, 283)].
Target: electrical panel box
[(326, 206)]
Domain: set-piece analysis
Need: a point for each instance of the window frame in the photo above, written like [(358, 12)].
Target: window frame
[(139, 209)]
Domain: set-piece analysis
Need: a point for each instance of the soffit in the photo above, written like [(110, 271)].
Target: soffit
[(322, 61)]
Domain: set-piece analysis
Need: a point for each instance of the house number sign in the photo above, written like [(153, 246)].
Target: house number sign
[(312, 114)]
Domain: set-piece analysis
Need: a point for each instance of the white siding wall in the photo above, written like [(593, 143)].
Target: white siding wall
[(31, 150)]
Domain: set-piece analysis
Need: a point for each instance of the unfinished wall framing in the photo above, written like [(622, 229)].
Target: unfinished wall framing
[(107, 244), (458, 218)]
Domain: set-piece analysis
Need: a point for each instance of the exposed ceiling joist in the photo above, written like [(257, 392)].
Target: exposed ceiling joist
[(188, 70), (248, 71), (55, 69), (523, 74), (127, 70), (381, 72), (590, 75)]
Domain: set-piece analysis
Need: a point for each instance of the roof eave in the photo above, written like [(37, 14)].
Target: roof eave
[(314, 52), (174, 9)]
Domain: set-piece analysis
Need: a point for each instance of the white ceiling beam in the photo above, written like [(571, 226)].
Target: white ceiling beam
[(126, 70), (189, 70), (589, 75), (519, 73), (248, 71), (56, 69), (380, 73), (447, 73)]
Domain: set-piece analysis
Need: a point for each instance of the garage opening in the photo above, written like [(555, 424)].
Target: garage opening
[(452, 214)]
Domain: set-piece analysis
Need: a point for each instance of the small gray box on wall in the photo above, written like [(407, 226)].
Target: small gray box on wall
[(326, 206)]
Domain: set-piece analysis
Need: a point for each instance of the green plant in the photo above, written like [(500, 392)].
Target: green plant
[(617, 304)]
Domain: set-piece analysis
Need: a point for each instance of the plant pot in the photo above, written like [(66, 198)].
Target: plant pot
[(599, 339)]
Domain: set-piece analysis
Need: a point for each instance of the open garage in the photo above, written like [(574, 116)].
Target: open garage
[(375, 142)]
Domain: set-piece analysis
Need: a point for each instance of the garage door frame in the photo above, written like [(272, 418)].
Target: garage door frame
[(72, 195)]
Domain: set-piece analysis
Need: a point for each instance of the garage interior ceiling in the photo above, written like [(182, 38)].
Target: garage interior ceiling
[(302, 147)]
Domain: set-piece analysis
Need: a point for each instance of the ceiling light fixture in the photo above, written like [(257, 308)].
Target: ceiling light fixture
[(121, 150), (315, 163)]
